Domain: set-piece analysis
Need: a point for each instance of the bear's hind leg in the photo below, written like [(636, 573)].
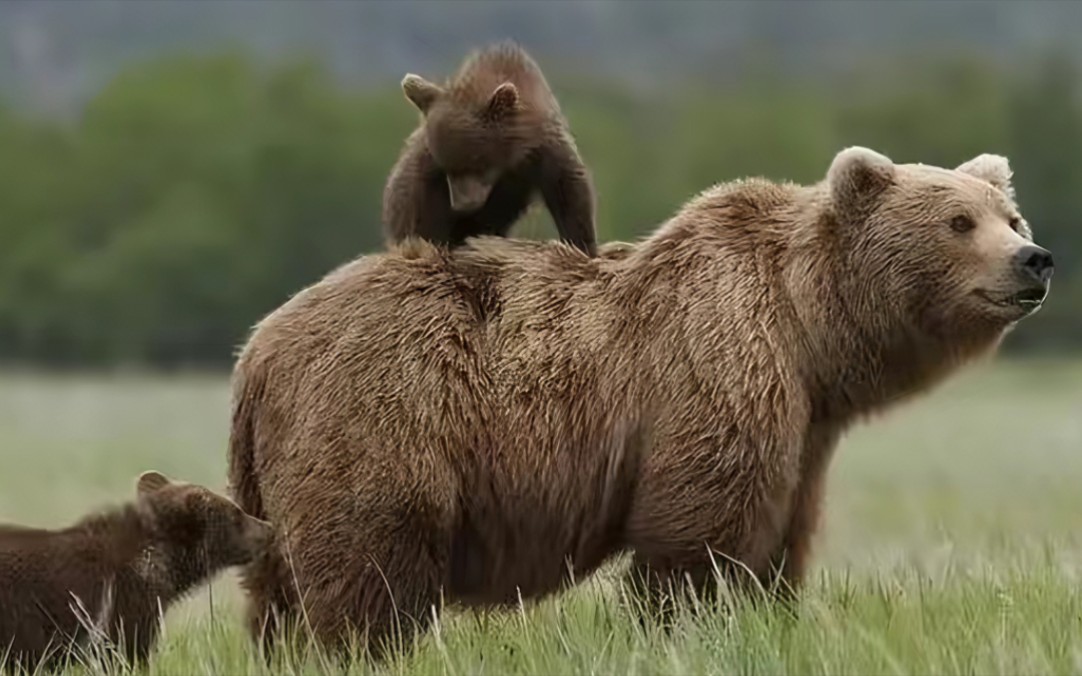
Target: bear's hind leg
[(272, 607), (375, 598)]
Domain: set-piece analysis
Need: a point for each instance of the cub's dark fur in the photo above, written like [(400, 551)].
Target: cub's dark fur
[(491, 139), (115, 572)]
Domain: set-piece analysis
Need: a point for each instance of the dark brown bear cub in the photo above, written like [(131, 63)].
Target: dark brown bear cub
[(491, 139), (113, 573)]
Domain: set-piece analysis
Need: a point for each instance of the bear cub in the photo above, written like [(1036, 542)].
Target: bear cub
[(491, 139), (113, 573)]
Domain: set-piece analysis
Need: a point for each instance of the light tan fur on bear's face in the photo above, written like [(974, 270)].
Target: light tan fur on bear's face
[(473, 425), (969, 230), (926, 257)]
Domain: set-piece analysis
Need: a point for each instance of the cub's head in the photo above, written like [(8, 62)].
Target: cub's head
[(195, 531), (473, 136), (944, 253)]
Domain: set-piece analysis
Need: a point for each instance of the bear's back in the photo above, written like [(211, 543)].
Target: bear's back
[(417, 331), (383, 302)]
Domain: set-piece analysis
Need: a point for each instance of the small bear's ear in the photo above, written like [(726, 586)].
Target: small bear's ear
[(420, 91), (503, 102), (150, 482), (992, 168), (858, 174)]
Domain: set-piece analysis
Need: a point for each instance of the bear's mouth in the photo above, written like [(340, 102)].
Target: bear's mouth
[(1030, 299)]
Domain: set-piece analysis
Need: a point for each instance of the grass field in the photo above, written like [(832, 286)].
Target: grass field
[(952, 541)]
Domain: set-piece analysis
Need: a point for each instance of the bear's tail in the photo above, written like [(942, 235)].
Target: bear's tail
[(243, 480)]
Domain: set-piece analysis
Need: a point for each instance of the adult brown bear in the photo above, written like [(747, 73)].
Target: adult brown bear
[(469, 423)]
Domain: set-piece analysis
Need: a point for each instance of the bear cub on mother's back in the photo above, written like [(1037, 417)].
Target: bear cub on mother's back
[(490, 140), (116, 571)]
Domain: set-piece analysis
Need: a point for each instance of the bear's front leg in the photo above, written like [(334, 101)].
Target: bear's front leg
[(790, 562), (567, 190), (699, 522), (666, 574), (656, 589), (135, 633)]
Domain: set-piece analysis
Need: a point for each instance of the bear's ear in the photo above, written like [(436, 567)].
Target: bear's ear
[(503, 102), (857, 175), (420, 91), (992, 168), (151, 481)]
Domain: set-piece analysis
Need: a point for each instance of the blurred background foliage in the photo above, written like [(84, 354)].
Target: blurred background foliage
[(191, 191)]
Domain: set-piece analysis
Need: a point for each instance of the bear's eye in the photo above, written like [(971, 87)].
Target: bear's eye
[(1015, 223), (962, 224)]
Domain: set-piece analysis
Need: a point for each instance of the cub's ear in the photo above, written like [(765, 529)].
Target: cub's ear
[(150, 482), (420, 91), (856, 176), (992, 168), (503, 102)]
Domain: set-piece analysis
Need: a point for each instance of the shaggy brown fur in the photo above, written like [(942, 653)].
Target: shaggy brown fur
[(476, 423), (115, 572), (490, 139), (615, 250)]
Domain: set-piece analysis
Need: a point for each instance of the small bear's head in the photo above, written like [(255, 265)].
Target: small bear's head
[(196, 531), (473, 137), (943, 253)]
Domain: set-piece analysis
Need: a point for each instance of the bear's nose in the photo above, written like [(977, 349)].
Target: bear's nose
[(1035, 263)]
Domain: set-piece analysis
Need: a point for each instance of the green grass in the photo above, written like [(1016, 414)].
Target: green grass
[(951, 539)]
